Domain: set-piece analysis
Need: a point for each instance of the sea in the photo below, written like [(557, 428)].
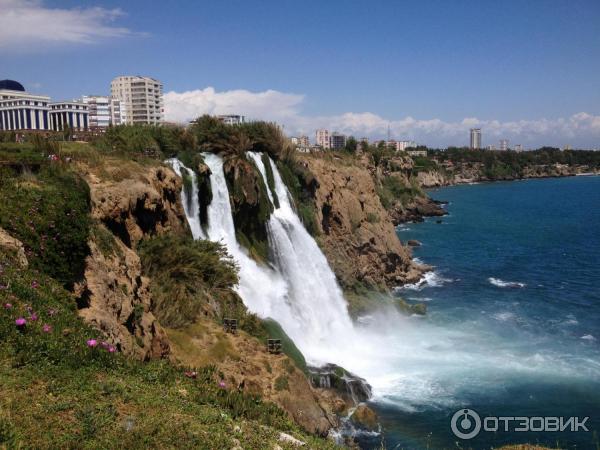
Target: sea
[(510, 345)]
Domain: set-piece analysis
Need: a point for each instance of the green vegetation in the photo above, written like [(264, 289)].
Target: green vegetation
[(187, 275), (392, 188), (61, 386), (281, 383), (48, 212)]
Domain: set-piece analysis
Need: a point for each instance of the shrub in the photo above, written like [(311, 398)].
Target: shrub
[(186, 274)]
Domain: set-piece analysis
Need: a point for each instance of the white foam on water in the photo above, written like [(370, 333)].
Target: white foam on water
[(505, 284)]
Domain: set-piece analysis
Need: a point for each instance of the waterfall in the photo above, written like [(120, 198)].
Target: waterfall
[(316, 318), (190, 200), (262, 289)]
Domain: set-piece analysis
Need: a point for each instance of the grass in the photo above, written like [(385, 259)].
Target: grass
[(56, 392), (49, 213)]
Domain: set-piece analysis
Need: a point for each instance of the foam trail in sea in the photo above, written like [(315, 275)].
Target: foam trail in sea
[(190, 200)]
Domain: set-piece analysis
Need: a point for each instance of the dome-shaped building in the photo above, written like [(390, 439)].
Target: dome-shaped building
[(11, 85)]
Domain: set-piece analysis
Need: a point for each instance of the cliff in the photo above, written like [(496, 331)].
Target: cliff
[(128, 202), (354, 229)]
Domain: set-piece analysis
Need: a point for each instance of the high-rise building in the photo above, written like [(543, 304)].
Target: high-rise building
[(403, 145), (140, 97), (98, 111), (118, 112), (518, 148), (503, 144), (337, 140), (322, 137), (475, 138)]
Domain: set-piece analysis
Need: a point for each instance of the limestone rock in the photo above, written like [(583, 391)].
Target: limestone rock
[(7, 242)]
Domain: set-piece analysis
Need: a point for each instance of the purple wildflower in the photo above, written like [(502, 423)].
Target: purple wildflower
[(47, 328), (7, 306), (92, 343), (111, 349), (33, 317), (222, 384), (20, 322), (35, 284), (52, 312)]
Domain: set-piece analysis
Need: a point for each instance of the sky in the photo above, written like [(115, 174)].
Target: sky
[(527, 71)]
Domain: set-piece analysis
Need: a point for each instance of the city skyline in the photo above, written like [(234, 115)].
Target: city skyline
[(417, 83)]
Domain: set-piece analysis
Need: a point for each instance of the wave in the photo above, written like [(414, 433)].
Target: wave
[(429, 279), (505, 284)]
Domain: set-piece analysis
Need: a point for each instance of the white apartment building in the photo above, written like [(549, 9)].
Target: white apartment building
[(403, 145), (322, 138), (99, 114), (140, 97), (504, 144), (475, 138)]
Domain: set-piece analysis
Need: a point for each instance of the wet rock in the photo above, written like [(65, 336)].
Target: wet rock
[(365, 418)]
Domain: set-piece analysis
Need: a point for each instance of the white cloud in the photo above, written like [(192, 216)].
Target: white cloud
[(581, 129), (29, 25)]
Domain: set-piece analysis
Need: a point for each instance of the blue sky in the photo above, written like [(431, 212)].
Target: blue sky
[(524, 70)]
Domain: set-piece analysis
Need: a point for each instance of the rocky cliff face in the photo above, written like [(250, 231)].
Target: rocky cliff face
[(128, 203), (354, 229)]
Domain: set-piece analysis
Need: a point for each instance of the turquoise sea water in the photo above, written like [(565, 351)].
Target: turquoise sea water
[(513, 324)]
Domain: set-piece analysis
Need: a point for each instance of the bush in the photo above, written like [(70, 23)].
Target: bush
[(186, 275)]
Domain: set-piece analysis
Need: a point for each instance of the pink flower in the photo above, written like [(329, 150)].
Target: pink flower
[(222, 384), (92, 343), (47, 328), (7, 306), (111, 349), (33, 317), (35, 284), (52, 312), (104, 345), (20, 322)]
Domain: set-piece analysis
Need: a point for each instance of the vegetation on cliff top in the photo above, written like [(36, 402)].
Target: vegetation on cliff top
[(49, 212)]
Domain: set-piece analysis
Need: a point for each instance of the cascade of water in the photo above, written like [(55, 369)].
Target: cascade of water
[(190, 200), (317, 317), (262, 289)]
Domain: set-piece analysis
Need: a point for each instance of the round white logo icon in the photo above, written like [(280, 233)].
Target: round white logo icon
[(465, 423)]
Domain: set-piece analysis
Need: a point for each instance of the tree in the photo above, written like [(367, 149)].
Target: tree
[(351, 144)]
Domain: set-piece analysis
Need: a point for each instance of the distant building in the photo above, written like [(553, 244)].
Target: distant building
[(491, 147), (413, 153), (295, 141), (118, 112), (73, 114), (518, 148), (98, 111), (303, 141), (231, 119), (503, 144), (567, 147), (475, 138), (403, 145), (141, 97), (322, 138), (20, 110), (337, 140)]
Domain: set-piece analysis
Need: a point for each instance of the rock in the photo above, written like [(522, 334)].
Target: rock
[(358, 247), (288, 439), (114, 295), (365, 418), (438, 221), (9, 243), (413, 243), (351, 388)]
